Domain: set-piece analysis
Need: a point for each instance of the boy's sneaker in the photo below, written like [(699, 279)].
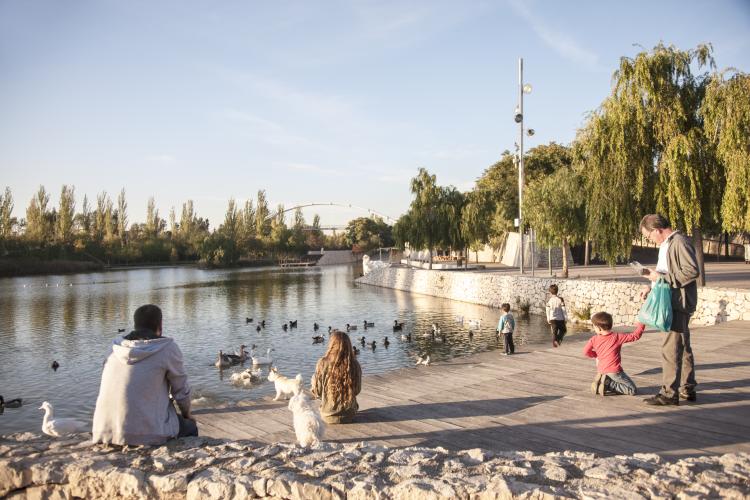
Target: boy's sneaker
[(555, 343), (688, 396), (662, 400), (603, 389), (596, 383)]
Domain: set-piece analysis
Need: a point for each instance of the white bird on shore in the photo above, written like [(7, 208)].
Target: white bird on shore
[(260, 360), (57, 427), (423, 360)]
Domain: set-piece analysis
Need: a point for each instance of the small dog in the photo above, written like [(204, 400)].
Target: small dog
[(285, 386), (308, 426)]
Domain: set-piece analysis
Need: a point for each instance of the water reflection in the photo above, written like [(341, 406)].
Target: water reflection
[(204, 311)]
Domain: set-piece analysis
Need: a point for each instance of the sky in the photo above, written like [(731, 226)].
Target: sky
[(315, 102)]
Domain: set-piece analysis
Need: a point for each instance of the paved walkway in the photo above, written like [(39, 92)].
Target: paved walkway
[(536, 401), (731, 274)]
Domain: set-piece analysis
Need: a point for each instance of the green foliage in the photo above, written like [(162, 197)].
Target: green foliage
[(644, 149), (369, 233), (555, 206), (6, 214), (726, 111), (38, 219)]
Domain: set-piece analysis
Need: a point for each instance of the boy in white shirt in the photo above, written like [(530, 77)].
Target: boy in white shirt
[(556, 316)]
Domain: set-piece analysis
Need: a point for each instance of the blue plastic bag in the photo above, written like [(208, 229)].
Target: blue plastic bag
[(657, 310)]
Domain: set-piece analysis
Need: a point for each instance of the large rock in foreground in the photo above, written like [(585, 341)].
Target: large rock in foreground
[(33, 466)]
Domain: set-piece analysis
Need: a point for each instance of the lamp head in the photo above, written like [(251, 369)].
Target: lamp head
[(527, 88), (530, 132)]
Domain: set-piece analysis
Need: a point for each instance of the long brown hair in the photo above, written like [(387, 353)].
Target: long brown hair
[(340, 363)]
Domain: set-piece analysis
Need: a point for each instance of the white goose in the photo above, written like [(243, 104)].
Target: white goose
[(260, 360), (59, 426)]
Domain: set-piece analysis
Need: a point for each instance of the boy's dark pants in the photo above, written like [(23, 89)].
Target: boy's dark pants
[(509, 347), (558, 329)]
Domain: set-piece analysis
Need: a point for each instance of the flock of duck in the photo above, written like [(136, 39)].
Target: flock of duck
[(241, 355)]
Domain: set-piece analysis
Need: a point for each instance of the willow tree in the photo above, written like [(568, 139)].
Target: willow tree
[(555, 207), (726, 111), (426, 210), (644, 149), (477, 210), (452, 202)]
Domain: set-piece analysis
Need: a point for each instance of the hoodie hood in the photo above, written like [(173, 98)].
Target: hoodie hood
[(132, 351)]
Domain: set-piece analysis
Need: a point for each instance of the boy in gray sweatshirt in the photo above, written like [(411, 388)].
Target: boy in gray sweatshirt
[(141, 372)]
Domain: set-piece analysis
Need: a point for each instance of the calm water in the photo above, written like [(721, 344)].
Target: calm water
[(73, 319)]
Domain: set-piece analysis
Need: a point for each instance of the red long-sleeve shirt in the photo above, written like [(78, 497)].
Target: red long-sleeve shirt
[(606, 348)]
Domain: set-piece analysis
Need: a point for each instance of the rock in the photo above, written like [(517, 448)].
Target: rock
[(554, 473), (421, 489), (473, 456), (176, 482), (211, 484)]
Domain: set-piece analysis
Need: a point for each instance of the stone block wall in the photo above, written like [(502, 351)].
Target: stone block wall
[(621, 299)]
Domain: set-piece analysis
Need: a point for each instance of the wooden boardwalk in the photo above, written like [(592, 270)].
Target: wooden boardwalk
[(536, 401)]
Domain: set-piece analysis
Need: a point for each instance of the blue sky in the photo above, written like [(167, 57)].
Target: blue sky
[(312, 101)]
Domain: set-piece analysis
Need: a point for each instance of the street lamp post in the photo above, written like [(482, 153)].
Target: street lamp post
[(522, 89)]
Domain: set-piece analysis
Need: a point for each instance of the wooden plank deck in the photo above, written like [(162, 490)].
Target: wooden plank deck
[(536, 401)]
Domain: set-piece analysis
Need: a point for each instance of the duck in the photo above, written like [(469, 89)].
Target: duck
[(373, 345), (120, 330), (12, 403), (406, 337), (475, 323), (386, 342), (356, 351), (443, 338), (257, 328), (293, 324), (263, 323), (471, 334), (330, 329), (260, 360), (248, 320), (435, 328), (222, 361), (368, 324), (350, 327), (397, 326), (423, 360), (247, 377), (284, 327), (316, 327), (362, 341), (57, 427), (318, 339), (55, 365), (238, 356)]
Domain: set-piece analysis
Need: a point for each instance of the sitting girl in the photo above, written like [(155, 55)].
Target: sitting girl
[(337, 380)]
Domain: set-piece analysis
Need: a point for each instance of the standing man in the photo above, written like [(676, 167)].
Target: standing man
[(678, 266), (140, 375)]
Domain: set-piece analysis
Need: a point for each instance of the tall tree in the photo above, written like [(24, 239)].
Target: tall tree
[(644, 150), (100, 216), (555, 208), (187, 221), (726, 111), (426, 210), (66, 214), (37, 217), (122, 215), (279, 230), (262, 220), (153, 221), (6, 214), (248, 220), (83, 219)]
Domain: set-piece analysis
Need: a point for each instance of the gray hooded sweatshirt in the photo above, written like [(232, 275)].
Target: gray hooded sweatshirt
[(133, 406)]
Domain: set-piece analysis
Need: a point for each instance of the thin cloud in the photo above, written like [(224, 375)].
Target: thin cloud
[(560, 42)]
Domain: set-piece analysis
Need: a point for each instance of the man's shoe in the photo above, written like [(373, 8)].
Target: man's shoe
[(662, 400), (688, 396)]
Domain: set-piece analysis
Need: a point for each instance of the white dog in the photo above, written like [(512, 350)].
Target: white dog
[(285, 386), (308, 426)]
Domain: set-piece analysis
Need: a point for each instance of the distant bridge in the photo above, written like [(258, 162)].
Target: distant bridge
[(387, 218)]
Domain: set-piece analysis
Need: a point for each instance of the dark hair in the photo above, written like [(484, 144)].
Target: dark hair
[(505, 307), (603, 320), (553, 289), (148, 316), (654, 221)]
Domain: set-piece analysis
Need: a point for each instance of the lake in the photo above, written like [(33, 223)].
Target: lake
[(74, 318)]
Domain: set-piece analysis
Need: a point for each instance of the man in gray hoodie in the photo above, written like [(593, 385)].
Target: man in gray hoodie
[(678, 266), (140, 374)]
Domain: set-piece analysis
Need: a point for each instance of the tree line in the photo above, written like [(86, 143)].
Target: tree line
[(101, 231), (672, 137)]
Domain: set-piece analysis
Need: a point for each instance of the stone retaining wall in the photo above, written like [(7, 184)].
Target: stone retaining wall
[(619, 298), (334, 257), (33, 466)]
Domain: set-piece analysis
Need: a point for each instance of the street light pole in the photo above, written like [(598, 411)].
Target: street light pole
[(520, 157)]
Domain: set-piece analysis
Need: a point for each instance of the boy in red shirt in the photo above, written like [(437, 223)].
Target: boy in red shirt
[(605, 347)]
